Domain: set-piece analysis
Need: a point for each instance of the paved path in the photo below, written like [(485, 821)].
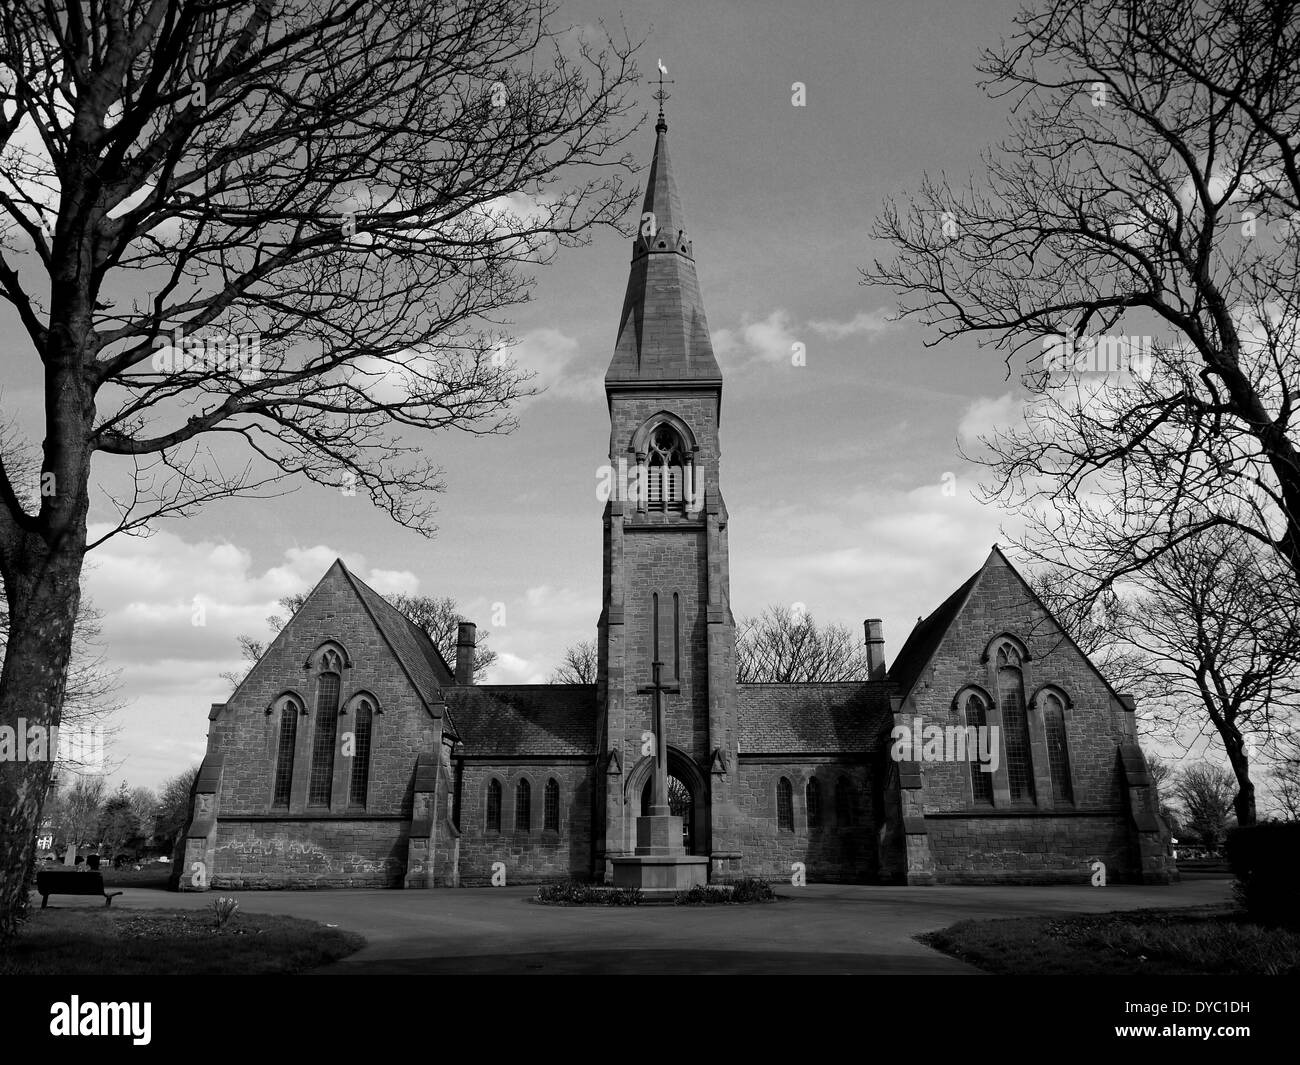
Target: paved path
[(823, 928)]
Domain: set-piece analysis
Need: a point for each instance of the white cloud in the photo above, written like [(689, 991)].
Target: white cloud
[(987, 415), (767, 341), (864, 322), (149, 592), (560, 369)]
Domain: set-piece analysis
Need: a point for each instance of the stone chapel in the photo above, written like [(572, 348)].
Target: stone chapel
[(354, 755)]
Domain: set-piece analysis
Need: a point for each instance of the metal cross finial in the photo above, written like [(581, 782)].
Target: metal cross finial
[(662, 126)]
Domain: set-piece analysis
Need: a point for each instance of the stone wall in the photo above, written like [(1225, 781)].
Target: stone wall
[(536, 855), (357, 852), (834, 852), (304, 844), (1048, 838)]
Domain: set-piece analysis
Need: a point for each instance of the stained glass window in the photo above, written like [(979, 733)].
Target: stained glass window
[(813, 799), (284, 753), (322, 754), (361, 754), (494, 806), (1058, 758), (784, 805), (523, 806), (981, 783), (1015, 728), (551, 807)]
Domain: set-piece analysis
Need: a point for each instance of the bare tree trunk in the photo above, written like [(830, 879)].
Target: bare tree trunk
[(44, 589), (1244, 801)]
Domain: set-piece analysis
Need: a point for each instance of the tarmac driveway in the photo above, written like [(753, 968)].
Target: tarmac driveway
[(822, 928)]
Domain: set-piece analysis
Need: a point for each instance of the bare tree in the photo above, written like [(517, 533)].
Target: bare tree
[(786, 646), (1141, 210), (248, 242), (1214, 619), (174, 807), (439, 617), (1206, 793), (578, 666), (82, 807)]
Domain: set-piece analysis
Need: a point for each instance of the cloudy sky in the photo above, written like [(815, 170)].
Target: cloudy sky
[(833, 472)]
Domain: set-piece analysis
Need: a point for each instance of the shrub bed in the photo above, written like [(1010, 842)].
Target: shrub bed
[(1265, 859)]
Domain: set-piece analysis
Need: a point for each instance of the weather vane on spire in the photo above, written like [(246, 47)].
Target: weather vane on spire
[(662, 126)]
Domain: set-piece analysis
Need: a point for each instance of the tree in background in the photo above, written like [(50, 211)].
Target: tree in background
[(438, 617), (578, 666), (246, 242), (786, 646), (144, 805), (82, 806), (1207, 636), (118, 824), (1206, 793), (174, 808), (1146, 198)]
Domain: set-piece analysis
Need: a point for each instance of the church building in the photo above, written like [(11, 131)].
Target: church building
[(354, 755)]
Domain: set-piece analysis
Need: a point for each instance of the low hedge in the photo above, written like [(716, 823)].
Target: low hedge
[(1265, 858)]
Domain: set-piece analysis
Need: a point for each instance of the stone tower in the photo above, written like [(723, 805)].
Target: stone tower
[(666, 592)]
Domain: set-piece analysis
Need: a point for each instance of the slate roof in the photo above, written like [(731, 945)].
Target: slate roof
[(410, 643), (662, 330), (525, 719), (848, 716), (925, 637)]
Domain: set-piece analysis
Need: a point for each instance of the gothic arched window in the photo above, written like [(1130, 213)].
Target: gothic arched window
[(784, 805), (1058, 755), (1015, 724), (327, 724), (813, 800), (523, 806), (494, 806), (361, 728), (666, 466), (981, 783), (284, 753), (551, 807)]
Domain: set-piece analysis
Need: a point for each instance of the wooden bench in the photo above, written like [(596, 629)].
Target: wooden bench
[(70, 882)]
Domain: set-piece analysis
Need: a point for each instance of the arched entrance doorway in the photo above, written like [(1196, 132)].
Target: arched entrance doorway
[(680, 804)]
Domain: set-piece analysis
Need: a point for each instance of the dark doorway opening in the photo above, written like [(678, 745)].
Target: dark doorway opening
[(680, 804)]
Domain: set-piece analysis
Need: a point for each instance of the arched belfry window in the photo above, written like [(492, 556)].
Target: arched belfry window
[(667, 461), (328, 684), (1015, 723)]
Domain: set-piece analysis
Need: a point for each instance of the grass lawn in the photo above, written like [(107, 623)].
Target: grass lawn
[(1198, 940), (103, 941)]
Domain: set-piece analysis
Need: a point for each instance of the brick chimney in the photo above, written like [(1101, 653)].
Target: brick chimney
[(875, 632), (466, 637)]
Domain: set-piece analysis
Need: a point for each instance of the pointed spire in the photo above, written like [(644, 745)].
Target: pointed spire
[(662, 334)]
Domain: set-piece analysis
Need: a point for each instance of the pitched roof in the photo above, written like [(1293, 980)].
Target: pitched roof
[(924, 639), (525, 719), (847, 716), (411, 646), (662, 331)]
